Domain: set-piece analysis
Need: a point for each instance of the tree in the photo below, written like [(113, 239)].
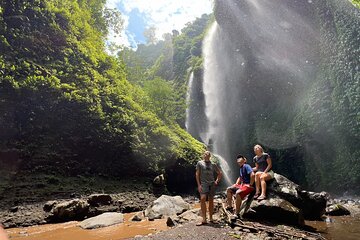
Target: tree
[(356, 3), (162, 98), (113, 20), (150, 35)]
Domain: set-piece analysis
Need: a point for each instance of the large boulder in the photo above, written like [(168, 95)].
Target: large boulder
[(75, 209), (166, 206), (312, 204), (276, 209), (337, 210), (103, 220)]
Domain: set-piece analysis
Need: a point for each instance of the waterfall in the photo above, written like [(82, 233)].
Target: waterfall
[(189, 94), (267, 80), (216, 136)]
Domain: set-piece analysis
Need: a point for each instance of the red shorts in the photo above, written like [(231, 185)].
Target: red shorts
[(242, 189)]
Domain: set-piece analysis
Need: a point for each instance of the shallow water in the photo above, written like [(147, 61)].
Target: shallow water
[(344, 227), (70, 230)]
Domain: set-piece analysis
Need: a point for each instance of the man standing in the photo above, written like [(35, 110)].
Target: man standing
[(206, 182), (243, 185)]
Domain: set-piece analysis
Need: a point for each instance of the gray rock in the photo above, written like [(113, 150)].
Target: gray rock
[(94, 211), (103, 220), (171, 222), (99, 199), (284, 187), (190, 215), (49, 205), (166, 206), (14, 209), (312, 204), (75, 209), (276, 209), (159, 180), (337, 210), (137, 217)]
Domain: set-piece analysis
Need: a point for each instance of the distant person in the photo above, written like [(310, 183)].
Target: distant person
[(206, 182), (242, 187), (263, 172), (3, 235)]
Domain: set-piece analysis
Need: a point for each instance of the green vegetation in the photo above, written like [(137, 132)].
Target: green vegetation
[(332, 107), (162, 68), (356, 3), (67, 106)]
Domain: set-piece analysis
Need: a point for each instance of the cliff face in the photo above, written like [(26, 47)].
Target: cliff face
[(293, 68), (66, 106)]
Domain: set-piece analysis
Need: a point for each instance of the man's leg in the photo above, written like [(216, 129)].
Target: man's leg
[(238, 202), (211, 207), (203, 207), (229, 195)]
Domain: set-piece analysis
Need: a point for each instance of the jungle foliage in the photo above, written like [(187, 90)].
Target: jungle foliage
[(67, 105)]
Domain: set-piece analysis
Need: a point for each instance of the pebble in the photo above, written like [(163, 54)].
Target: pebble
[(14, 209)]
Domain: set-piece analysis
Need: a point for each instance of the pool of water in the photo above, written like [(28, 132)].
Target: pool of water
[(342, 228)]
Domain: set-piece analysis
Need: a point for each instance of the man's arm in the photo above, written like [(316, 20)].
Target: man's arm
[(219, 175), (197, 175), (238, 181), (252, 178)]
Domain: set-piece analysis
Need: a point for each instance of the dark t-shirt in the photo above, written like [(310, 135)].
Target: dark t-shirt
[(245, 172), (262, 161)]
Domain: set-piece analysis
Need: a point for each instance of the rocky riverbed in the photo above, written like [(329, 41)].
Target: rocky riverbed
[(287, 209)]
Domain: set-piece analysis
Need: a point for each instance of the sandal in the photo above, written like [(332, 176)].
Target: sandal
[(213, 221), (201, 223), (262, 197), (229, 208), (257, 195), (234, 217)]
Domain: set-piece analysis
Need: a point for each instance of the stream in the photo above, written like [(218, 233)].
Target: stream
[(343, 227), (70, 230)]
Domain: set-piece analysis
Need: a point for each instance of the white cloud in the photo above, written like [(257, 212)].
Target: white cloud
[(165, 15), (111, 3)]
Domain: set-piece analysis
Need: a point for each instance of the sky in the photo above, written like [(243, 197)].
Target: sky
[(165, 15)]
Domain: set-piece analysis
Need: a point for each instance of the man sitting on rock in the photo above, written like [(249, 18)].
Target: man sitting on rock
[(242, 187)]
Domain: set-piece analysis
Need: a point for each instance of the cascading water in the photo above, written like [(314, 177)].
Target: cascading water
[(196, 122), (269, 78), (257, 61), (214, 90), (189, 95)]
